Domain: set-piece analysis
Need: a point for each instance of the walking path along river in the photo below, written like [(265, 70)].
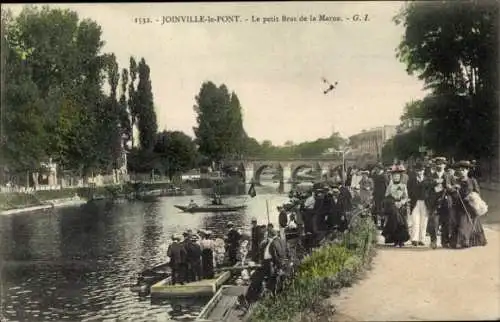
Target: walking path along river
[(411, 284)]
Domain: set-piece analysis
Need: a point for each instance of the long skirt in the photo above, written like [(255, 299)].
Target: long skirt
[(396, 226), (207, 259), (470, 230)]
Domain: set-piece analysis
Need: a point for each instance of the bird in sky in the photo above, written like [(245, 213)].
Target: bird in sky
[(330, 86)]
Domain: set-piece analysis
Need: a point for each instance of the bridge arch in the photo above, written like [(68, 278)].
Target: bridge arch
[(262, 167), (299, 167)]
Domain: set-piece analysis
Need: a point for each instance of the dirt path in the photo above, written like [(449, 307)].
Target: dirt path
[(424, 284)]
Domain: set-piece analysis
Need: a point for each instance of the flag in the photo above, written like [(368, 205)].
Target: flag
[(251, 192)]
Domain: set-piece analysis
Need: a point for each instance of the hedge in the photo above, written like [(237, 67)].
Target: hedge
[(332, 266)]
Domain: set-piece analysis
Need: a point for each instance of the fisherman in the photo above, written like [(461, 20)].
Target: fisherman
[(207, 255), (233, 243), (177, 254)]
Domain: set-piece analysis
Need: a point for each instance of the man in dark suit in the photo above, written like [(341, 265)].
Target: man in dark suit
[(274, 258), (232, 243), (379, 188), (440, 202), (193, 256), (257, 238), (177, 255), (337, 217)]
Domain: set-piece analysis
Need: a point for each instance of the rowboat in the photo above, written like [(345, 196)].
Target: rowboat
[(149, 277), (224, 305), (210, 208)]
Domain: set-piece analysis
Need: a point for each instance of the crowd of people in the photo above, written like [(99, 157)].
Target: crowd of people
[(432, 198)]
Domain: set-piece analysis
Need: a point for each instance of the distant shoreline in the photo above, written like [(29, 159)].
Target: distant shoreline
[(49, 204)]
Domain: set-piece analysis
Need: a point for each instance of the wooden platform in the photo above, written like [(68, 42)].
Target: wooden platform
[(223, 306), (207, 287)]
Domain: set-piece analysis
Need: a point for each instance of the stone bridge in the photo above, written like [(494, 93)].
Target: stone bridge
[(287, 169)]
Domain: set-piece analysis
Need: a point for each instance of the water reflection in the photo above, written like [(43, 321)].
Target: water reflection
[(76, 263)]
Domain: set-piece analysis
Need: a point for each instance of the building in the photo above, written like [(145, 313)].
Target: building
[(367, 145)]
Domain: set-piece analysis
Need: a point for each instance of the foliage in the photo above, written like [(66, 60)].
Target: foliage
[(176, 152), (311, 149), (453, 47), (331, 267), (144, 107), (54, 91), (219, 132)]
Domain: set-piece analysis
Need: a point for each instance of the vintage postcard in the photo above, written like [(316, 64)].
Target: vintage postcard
[(250, 161)]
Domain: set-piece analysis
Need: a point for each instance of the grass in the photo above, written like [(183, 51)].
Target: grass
[(334, 265)]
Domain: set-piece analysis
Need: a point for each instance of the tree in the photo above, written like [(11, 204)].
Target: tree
[(132, 98), (213, 119), (55, 61), (124, 112), (235, 126), (147, 123), (453, 47), (176, 152)]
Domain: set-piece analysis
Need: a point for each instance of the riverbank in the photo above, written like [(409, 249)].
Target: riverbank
[(17, 202), (334, 265), (56, 203)]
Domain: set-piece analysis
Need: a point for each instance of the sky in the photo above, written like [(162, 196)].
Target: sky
[(275, 68)]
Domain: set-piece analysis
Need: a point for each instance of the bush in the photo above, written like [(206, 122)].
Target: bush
[(326, 270)]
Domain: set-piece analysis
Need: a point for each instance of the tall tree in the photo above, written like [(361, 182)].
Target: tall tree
[(132, 98), (111, 115), (125, 126), (453, 47), (235, 128), (147, 124), (219, 133)]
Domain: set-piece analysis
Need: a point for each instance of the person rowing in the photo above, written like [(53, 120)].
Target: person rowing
[(192, 204)]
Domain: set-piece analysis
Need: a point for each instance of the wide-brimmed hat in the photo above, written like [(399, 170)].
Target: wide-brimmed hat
[(195, 237), (398, 168), (176, 237), (364, 172), (462, 164), (230, 224), (440, 160)]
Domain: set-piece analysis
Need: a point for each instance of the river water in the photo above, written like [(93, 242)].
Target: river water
[(76, 264)]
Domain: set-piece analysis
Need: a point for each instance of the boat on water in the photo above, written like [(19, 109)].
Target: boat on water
[(210, 208), (149, 277), (224, 305)]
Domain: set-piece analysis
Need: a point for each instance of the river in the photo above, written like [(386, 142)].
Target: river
[(77, 263)]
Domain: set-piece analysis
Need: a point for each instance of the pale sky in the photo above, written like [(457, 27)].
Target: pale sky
[(275, 68)]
